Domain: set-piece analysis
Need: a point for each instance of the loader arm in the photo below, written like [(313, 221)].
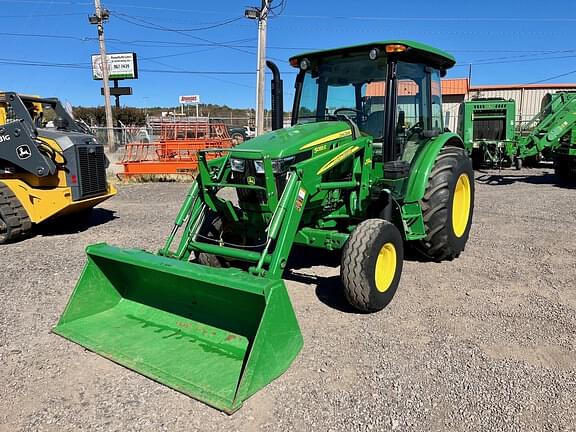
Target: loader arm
[(550, 128), (305, 179), (19, 148)]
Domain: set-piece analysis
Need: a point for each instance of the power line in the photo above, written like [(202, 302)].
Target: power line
[(281, 6), (422, 31), (554, 77), (448, 19), (206, 27), (466, 64), (43, 2), (513, 59), (86, 65), (167, 44), (48, 36), (152, 26), (42, 15), (179, 18)]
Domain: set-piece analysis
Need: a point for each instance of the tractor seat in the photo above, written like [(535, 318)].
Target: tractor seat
[(374, 124)]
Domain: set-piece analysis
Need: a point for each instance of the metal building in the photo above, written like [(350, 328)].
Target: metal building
[(454, 92)]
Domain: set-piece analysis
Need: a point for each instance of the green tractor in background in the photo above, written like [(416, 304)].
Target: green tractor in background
[(490, 134), (366, 168)]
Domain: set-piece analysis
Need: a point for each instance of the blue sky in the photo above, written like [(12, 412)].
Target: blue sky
[(47, 44)]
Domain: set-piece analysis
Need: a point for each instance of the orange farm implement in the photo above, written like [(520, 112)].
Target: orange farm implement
[(177, 150)]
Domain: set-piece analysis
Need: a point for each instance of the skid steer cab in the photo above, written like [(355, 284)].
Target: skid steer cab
[(50, 165), (366, 168)]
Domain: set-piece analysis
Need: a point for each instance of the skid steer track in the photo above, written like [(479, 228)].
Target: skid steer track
[(14, 221)]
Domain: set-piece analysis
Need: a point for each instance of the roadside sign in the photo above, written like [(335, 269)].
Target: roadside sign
[(118, 91), (190, 100), (120, 66)]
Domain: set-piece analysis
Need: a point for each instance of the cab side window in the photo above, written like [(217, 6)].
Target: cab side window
[(436, 87)]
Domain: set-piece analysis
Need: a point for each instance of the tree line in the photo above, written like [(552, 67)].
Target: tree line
[(96, 116)]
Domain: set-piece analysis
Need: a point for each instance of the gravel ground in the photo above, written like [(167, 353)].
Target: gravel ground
[(486, 342)]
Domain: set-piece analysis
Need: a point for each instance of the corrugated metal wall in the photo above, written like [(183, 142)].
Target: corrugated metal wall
[(451, 107)]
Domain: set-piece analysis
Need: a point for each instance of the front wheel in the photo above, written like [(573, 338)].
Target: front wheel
[(237, 138), (211, 232), (448, 205), (371, 265)]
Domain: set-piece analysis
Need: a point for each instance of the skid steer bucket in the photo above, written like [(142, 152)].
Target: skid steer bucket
[(218, 335)]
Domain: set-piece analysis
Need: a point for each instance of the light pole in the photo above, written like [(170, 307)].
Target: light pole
[(262, 16), (99, 19)]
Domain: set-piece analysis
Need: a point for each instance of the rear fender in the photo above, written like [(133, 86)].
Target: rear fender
[(424, 162)]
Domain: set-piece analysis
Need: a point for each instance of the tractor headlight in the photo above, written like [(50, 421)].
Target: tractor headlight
[(237, 165), (279, 166), (259, 166), (282, 165)]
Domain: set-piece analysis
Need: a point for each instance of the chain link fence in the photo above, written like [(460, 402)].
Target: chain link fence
[(151, 132)]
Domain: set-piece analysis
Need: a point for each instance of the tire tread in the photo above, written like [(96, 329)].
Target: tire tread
[(14, 216)]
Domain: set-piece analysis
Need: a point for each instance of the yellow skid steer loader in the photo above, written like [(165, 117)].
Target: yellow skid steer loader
[(50, 165)]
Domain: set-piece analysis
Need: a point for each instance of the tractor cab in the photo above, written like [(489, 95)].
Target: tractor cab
[(390, 91)]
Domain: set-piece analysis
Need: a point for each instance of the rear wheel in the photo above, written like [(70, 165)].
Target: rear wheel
[(448, 205), (371, 265), (565, 169), (14, 221)]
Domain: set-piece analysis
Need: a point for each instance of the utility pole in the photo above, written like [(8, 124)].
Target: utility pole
[(262, 16), (99, 19)]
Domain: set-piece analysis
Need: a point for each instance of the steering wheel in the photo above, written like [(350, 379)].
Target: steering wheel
[(415, 128), (361, 117)]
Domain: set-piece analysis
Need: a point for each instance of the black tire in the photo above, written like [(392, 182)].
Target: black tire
[(478, 161), (14, 221), (373, 239), (518, 163), (237, 138), (210, 231), (565, 170), (447, 232)]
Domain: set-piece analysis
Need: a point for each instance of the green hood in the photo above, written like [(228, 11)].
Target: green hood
[(296, 139)]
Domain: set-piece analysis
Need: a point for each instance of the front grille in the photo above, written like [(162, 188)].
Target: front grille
[(252, 196), (91, 170)]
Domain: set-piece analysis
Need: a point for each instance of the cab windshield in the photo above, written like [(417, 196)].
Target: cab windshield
[(353, 85)]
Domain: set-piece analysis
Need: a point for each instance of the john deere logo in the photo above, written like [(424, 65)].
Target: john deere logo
[(23, 152), (251, 180)]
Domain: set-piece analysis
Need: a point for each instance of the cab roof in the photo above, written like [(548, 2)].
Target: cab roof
[(416, 52)]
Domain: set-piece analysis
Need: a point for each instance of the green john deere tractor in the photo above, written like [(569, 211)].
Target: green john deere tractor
[(366, 168)]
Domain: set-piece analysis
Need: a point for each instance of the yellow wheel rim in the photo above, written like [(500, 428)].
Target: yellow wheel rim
[(461, 205), (385, 267)]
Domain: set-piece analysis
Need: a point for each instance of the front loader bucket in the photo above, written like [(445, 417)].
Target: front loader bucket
[(218, 335)]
